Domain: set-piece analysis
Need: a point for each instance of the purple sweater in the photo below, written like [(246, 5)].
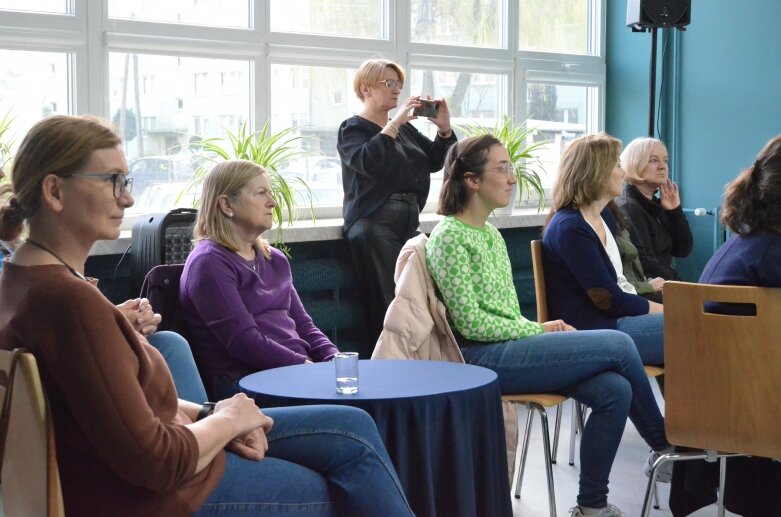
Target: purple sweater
[(239, 321)]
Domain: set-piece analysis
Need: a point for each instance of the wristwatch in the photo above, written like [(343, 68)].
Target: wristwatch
[(206, 410)]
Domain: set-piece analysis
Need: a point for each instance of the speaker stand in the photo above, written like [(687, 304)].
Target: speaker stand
[(652, 87)]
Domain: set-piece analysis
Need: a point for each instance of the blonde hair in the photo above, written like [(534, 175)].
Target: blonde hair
[(370, 72), (60, 145), (225, 179), (636, 156), (584, 171)]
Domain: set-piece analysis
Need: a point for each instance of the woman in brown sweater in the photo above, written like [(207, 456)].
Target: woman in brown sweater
[(125, 444)]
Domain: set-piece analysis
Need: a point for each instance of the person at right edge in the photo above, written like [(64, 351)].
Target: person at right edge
[(751, 256), (386, 168), (657, 226)]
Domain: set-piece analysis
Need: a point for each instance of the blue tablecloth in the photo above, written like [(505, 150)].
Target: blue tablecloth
[(441, 423)]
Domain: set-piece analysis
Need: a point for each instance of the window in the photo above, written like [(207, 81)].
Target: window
[(172, 73), (352, 18), (162, 129), (457, 22), (221, 13), (556, 26), (41, 6), (33, 85), (561, 113)]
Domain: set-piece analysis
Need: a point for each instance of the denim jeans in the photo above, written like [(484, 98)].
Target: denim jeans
[(599, 368), (179, 358), (647, 331), (321, 461)]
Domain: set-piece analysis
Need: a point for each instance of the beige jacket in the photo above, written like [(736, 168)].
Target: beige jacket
[(415, 325)]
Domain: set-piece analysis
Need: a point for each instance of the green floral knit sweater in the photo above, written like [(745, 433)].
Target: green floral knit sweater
[(471, 268)]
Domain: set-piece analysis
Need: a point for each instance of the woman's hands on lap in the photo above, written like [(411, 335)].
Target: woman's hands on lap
[(141, 316), (250, 423), (657, 284), (655, 308), (557, 326)]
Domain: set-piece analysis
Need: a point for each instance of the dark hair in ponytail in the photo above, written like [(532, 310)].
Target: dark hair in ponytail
[(465, 156), (752, 202)]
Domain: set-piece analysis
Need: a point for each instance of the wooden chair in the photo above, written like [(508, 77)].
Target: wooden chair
[(723, 375), (30, 479)]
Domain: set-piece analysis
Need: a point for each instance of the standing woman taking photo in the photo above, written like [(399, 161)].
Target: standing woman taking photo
[(386, 174)]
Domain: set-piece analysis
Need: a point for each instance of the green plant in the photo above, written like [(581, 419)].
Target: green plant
[(5, 140), (269, 150), (523, 154)]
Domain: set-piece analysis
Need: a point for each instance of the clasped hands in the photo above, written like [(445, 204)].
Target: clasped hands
[(141, 316)]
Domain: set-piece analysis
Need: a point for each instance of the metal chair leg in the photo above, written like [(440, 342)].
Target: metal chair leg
[(555, 452), (524, 452), (548, 466), (722, 475), (656, 496), (573, 433)]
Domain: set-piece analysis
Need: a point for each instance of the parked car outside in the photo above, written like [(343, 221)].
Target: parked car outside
[(149, 169)]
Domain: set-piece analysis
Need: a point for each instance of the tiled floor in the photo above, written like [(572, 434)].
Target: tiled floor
[(627, 480)]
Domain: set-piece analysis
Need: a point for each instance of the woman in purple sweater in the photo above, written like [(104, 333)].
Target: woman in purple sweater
[(242, 311)]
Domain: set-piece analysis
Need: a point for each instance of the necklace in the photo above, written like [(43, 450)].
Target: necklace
[(50, 252)]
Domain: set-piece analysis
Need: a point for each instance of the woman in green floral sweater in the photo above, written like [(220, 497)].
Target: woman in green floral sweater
[(468, 260)]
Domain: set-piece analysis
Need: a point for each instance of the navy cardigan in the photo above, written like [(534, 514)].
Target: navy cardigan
[(580, 281)]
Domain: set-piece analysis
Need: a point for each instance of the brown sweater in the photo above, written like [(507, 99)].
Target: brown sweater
[(122, 447)]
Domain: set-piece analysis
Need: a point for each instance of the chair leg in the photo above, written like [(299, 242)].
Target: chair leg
[(573, 433), (546, 446), (656, 496), (722, 475), (524, 452), (555, 452)]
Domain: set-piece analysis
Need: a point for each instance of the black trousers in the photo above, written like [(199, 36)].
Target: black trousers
[(375, 243)]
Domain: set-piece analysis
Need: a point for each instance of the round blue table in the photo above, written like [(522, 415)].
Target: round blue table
[(441, 423)]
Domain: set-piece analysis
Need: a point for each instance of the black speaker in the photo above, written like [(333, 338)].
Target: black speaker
[(164, 238), (649, 14)]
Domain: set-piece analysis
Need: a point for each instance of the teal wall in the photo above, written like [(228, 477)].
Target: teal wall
[(718, 110)]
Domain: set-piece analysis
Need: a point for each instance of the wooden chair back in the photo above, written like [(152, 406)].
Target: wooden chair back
[(539, 282), (30, 479), (723, 372)]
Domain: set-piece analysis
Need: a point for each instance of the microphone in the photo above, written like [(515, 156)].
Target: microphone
[(699, 212)]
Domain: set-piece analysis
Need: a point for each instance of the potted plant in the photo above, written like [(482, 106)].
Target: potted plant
[(523, 153), (5, 141), (270, 151)]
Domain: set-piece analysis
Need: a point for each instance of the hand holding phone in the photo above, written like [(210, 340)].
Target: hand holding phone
[(428, 108)]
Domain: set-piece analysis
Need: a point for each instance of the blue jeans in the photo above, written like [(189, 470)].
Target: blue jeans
[(599, 368), (647, 331), (179, 358), (321, 461)]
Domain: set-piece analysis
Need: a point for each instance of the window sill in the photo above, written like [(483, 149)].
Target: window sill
[(331, 229)]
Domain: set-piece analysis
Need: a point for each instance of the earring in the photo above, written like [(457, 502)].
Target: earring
[(230, 214)]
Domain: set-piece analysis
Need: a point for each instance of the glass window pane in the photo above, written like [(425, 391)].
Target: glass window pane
[(471, 98), (560, 112), (555, 26), (220, 13), (166, 105), (458, 22), (315, 100), (37, 6), (33, 85), (352, 18)]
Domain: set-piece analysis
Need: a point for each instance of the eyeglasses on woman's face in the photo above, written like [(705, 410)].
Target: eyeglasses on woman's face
[(506, 168), (121, 183), (391, 83)]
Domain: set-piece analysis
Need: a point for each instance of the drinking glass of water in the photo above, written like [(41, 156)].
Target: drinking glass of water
[(346, 366)]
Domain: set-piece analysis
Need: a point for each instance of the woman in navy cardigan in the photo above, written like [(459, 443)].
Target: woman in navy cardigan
[(582, 265)]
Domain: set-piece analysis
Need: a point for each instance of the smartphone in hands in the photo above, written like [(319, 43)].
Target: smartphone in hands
[(428, 109)]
